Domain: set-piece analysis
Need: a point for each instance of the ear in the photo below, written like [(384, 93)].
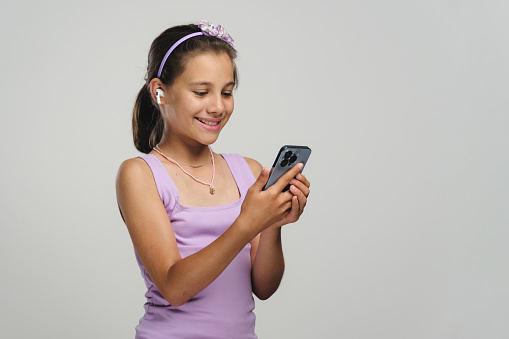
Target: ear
[(155, 84)]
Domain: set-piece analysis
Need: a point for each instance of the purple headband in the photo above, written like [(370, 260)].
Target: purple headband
[(208, 29)]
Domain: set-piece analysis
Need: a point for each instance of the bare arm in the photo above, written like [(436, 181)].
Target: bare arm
[(154, 241), (267, 257)]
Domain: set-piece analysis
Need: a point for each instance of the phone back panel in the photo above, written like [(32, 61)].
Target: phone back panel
[(287, 157)]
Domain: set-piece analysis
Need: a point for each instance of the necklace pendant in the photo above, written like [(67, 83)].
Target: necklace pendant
[(212, 190)]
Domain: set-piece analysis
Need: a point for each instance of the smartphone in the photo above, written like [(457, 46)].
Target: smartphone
[(287, 157)]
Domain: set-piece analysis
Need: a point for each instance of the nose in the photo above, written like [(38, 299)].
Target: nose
[(216, 104)]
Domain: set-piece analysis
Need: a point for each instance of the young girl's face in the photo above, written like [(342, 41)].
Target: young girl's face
[(200, 99)]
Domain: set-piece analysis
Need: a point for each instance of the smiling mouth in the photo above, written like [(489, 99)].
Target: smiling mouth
[(210, 123)]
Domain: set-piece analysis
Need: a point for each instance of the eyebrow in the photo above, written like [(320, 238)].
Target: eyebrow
[(207, 83)]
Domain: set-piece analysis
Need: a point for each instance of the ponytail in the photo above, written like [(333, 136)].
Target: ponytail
[(147, 122)]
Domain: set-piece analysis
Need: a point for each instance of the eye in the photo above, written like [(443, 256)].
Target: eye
[(227, 94), (200, 94)]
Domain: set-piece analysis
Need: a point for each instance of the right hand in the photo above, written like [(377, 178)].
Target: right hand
[(264, 208)]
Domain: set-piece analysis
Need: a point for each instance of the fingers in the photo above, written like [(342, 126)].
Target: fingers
[(287, 177), (262, 179), (301, 185), (299, 196), (296, 209), (301, 177)]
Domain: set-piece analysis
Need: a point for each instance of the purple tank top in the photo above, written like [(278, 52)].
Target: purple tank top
[(224, 309)]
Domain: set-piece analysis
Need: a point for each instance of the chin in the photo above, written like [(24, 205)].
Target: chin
[(209, 140)]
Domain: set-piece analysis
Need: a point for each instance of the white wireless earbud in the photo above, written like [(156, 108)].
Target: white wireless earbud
[(159, 94)]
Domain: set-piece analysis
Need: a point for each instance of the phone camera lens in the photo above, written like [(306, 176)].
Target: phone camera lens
[(288, 154), (284, 163), (293, 158)]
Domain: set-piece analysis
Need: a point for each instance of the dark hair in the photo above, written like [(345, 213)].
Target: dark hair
[(147, 122)]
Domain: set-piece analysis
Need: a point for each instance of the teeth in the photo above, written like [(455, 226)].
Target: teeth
[(208, 122)]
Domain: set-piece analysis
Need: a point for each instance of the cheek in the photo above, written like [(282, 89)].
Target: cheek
[(230, 106), (190, 108)]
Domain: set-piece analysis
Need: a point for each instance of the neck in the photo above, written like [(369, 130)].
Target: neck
[(185, 153)]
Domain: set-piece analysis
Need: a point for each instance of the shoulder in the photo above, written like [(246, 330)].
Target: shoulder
[(255, 166), (135, 185), (133, 167), (133, 170)]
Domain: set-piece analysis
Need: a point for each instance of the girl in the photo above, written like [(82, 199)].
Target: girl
[(206, 236)]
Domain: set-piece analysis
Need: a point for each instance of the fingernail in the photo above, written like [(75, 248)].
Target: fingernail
[(293, 181), (293, 188), (300, 165), (298, 176)]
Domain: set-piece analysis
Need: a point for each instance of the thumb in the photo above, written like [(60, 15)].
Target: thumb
[(262, 179)]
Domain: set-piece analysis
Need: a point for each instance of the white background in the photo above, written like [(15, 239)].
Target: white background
[(406, 231)]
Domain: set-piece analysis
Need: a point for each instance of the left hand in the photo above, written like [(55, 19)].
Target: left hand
[(299, 187)]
